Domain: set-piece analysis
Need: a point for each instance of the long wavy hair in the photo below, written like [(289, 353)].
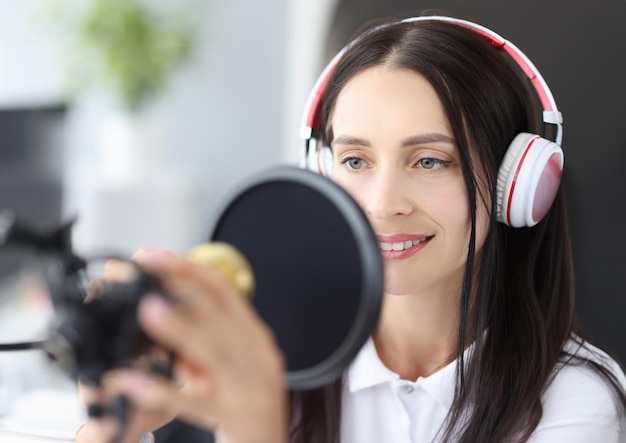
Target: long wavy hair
[(521, 290)]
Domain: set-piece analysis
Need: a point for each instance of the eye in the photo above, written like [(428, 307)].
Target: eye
[(354, 163), (430, 163)]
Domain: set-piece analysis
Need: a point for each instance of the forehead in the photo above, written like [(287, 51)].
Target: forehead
[(389, 100)]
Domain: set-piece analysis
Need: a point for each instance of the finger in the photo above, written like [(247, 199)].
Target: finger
[(102, 430), (150, 393), (119, 271), (188, 281), (145, 392), (183, 331), (141, 254), (88, 394), (214, 326), (95, 288), (113, 271), (217, 345), (104, 403)]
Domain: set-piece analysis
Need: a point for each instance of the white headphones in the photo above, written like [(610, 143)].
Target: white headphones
[(531, 170)]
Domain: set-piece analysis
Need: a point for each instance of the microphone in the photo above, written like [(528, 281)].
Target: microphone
[(291, 240), (227, 260)]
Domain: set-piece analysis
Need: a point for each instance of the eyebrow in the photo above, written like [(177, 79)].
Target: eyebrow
[(411, 141)]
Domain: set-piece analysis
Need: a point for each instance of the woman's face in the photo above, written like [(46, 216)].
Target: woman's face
[(395, 154)]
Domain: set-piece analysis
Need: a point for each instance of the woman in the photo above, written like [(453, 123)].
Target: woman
[(477, 340)]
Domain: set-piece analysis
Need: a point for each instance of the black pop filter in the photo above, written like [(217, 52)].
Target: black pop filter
[(317, 267)]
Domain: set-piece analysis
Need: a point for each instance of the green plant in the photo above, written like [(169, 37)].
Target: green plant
[(123, 46)]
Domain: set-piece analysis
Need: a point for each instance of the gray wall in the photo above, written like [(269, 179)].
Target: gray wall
[(579, 50)]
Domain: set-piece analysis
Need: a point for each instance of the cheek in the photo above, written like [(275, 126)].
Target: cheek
[(482, 225), (455, 217), (352, 186), (447, 204)]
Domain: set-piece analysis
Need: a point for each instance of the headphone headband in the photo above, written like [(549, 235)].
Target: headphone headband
[(551, 114)]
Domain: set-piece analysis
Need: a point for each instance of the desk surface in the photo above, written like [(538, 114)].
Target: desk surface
[(15, 437), (42, 415)]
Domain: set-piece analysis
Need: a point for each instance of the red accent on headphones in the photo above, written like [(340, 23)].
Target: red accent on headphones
[(517, 173)]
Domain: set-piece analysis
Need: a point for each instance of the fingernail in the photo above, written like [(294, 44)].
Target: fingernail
[(154, 308)]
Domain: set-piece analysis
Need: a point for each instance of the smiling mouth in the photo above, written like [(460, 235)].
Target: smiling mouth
[(401, 246)]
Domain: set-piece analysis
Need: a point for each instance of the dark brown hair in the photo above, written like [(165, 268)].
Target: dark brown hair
[(521, 290)]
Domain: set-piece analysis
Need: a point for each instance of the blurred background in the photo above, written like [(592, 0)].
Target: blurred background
[(142, 141)]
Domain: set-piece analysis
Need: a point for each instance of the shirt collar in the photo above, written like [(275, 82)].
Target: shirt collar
[(367, 370)]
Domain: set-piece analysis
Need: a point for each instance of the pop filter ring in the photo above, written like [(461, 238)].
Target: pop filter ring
[(370, 262)]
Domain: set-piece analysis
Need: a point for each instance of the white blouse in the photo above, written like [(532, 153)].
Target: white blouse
[(379, 407)]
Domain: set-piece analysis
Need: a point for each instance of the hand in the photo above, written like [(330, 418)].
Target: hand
[(107, 428), (229, 372)]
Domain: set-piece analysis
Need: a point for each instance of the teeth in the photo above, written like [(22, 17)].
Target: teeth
[(400, 246)]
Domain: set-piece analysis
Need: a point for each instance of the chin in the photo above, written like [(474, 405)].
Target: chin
[(399, 283), (400, 288)]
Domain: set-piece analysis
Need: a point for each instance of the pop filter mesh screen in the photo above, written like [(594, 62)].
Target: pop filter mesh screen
[(307, 265)]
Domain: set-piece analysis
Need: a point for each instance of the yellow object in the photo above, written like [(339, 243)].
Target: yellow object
[(228, 260)]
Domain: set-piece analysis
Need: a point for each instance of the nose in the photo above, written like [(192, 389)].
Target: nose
[(388, 195)]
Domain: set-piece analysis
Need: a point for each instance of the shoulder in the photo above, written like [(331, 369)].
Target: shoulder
[(579, 400), (576, 381)]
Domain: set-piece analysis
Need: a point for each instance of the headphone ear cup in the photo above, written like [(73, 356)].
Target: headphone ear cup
[(321, 161), (528, 180)]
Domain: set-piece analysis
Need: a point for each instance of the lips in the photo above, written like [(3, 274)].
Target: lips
[(401, 246)]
